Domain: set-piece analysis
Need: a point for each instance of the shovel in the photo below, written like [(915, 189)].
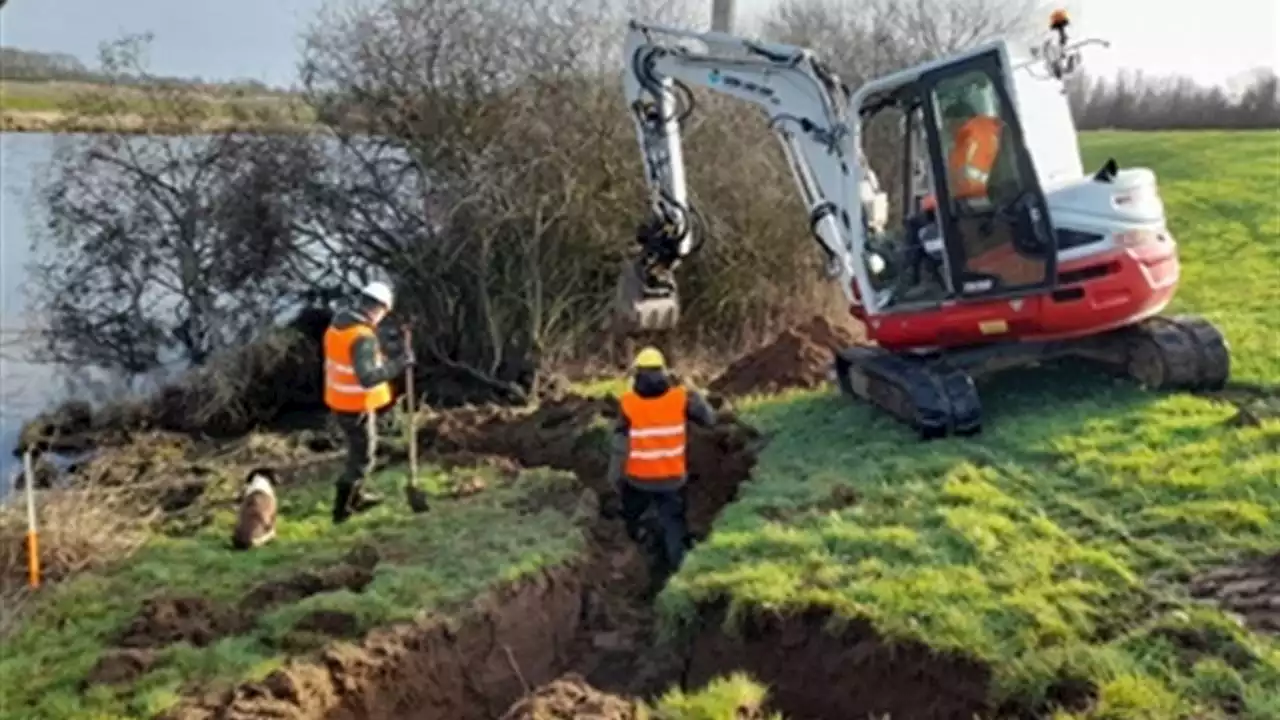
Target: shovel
[(416, 496)]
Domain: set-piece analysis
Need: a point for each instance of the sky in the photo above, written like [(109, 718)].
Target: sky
[(1211, 42)]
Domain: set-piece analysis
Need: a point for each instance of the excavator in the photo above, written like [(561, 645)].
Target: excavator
[(1041, 262)]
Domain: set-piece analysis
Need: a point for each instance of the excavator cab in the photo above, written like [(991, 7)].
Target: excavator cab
[(975, 221)]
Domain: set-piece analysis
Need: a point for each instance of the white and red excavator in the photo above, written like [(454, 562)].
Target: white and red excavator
[(1043, 261)]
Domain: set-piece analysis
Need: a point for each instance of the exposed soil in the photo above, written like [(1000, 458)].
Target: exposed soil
[(120, 666), (800, 357), (572, 698), (170, 620), (353, 574), (1251, 590), (815, 674), (333, 623)]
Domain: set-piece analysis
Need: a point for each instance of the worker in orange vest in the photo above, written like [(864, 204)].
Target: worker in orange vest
[(976, 141), (648, 465), (356, 387)]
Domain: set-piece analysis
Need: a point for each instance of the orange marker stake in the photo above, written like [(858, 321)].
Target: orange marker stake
[(33, 541)]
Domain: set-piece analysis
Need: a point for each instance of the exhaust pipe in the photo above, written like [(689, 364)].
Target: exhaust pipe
[(722, 15)]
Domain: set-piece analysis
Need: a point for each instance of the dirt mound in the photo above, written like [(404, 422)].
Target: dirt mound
[(800, 357), (169, 620), (1251, 590), (331, 623), (571, 698), (116, 667), (347, 576)]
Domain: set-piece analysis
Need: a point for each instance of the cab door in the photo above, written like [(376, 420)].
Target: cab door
[(994, 218)]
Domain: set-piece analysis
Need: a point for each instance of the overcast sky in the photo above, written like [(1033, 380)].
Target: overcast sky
[(1212, 42)]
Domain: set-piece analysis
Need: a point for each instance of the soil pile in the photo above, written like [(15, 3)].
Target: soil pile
[(571, 698), (800, 357), (1251, 591)]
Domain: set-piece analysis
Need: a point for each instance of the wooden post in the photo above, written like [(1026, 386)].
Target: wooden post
[(33, 541)]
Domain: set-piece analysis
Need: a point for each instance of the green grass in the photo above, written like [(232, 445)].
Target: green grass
[(723, 697), (1051, 546), (58, 98), (436, 562)]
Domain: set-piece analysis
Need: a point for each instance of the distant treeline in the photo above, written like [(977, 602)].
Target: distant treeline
[(34, 66), (1134, 101)]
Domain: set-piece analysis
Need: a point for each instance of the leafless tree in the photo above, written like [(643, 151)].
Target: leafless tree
[(157, 245), (1134, 101)]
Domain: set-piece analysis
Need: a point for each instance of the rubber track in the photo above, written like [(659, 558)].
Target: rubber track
[(1193, 352), (1213, 354), (932, 398)]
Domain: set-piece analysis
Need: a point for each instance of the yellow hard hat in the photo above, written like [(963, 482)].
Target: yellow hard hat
[(650, 358)]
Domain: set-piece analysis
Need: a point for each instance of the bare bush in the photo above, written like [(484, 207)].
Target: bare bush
[(161, 248), (504, 184)]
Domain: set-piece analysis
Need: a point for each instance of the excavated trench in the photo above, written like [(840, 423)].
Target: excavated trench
[(577, 640)]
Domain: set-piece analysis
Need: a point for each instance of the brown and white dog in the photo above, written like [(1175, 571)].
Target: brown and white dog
[(256, 524)]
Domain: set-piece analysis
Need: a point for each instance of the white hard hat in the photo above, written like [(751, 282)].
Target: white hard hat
[(379, 291)]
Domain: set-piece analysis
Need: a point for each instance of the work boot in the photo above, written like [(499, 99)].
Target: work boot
[(352, 499)]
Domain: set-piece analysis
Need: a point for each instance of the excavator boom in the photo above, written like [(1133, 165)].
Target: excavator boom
[(804, 103)]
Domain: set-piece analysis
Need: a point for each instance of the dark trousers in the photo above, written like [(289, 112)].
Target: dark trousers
[(361, 433), (669, 508)]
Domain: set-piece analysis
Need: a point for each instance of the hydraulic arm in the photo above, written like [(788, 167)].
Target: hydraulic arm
[(806, 105)]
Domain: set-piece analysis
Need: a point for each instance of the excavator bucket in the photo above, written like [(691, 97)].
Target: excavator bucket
[(641, 308)]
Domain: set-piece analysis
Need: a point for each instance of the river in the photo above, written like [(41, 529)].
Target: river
[(25, 387)]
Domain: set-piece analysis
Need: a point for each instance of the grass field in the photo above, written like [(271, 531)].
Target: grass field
[(1057, 544), (432, 564), (41, 106)]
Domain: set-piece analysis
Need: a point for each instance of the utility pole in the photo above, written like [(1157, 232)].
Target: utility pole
[(722, 15)]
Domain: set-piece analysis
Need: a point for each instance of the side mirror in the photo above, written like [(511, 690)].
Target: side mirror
[(1108, 171)]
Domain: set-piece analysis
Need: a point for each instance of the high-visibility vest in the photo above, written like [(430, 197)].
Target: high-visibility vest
[(656, 431), (973, 156), (342, 390)]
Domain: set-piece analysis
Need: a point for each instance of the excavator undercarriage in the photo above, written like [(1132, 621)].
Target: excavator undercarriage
[(936, 394)]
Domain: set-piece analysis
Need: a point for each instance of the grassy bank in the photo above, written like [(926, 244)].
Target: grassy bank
[(381, 567), (1059, 543), (60, 107)]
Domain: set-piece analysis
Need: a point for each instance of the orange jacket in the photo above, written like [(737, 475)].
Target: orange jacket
[(976, 144), (973, 156), (656, 435), (342, 389)]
